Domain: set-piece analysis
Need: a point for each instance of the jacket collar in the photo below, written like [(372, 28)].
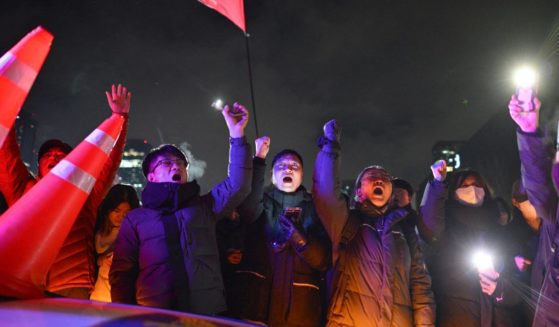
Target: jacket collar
[(291, 199), (169, 197), (390, 216)]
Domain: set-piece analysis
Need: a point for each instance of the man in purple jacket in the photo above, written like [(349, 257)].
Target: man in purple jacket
[(536, 157), (166, 253)]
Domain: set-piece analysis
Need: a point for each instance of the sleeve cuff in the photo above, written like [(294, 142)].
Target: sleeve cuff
[(259, 161), (537, 133), (237, 140)]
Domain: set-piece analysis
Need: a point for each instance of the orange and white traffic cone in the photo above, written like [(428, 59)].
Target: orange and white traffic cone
[(33, 230), (18, 69)]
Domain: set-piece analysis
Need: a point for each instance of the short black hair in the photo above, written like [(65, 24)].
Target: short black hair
[(286, 152), (51, 144), (159, 151), (403, 184)]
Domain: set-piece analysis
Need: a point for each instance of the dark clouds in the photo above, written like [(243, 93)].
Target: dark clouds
[(394, 73)]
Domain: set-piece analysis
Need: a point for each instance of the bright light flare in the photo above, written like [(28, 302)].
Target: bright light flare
[(217, 104), (525, 77), (482, 260)]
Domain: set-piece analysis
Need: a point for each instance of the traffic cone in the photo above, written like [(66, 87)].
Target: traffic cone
[(18, 69), (33, 230)]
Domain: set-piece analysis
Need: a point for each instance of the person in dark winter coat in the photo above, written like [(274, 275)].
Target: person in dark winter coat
[(403, 193), (536, 157), (380, 276), (166, 253), (287, 272), (457, 219), (521, 235)]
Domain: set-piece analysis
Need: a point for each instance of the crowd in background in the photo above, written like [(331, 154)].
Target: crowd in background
[(285, 255)]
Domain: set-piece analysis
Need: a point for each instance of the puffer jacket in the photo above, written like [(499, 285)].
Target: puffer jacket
[(142, 271), (74, 266), (286, 284), (536, 157), (380, 276)]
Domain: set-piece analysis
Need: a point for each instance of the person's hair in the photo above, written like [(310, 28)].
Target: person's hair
[(160, 151), (287, 152), (118, 194), (403, 184), (458, 178), (51, 144)]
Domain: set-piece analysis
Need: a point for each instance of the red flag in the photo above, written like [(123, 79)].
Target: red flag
[(232, 9)]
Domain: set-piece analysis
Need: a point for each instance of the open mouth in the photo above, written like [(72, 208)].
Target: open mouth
[(176, 178), (378, 191), (287, 179)]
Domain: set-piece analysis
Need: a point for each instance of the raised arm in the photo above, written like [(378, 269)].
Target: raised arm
[(15, 179), (536, 157), (329, 202), (252, 206), (230, 193), (431, 222), (119, 102)]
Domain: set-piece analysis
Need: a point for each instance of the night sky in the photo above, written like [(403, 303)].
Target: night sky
[(398, 75)]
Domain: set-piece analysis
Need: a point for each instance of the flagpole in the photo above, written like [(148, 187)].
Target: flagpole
[(251, 85)]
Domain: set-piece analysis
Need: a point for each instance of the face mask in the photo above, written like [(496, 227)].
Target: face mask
[(471, 195)]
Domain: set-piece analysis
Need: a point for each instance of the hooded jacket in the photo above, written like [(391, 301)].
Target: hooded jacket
[(74, 266), (380, 277), (536, 158), (454, 232), (143, 272)]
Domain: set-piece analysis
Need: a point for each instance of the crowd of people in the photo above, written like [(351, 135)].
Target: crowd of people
[(281, 255)]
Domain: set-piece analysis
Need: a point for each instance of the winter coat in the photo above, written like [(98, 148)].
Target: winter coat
[(143, 270), (288, 280), (455, 232), (536, 157), (74, 266), (380, 277)]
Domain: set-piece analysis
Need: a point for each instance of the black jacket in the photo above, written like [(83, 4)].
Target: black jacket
[(289, 282)]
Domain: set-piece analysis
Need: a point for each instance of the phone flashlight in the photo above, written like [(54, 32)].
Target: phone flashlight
[(526, 79), (482, 260), (217, 104)]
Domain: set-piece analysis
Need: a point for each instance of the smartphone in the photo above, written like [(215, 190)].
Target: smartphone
[(526, 97), (293, 214)]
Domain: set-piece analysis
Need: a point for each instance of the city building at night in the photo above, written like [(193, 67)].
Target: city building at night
[(130, 170)]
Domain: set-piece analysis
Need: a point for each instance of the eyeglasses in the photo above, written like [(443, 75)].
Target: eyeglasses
[(287, 165), (168, 163)]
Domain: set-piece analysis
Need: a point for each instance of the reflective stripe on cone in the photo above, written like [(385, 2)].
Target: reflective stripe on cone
[(33, 230)]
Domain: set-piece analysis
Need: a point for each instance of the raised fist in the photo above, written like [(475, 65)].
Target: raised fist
[(439, 170), (332, 131)]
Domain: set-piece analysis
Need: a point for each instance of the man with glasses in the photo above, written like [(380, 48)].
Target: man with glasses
[(166, 253)]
